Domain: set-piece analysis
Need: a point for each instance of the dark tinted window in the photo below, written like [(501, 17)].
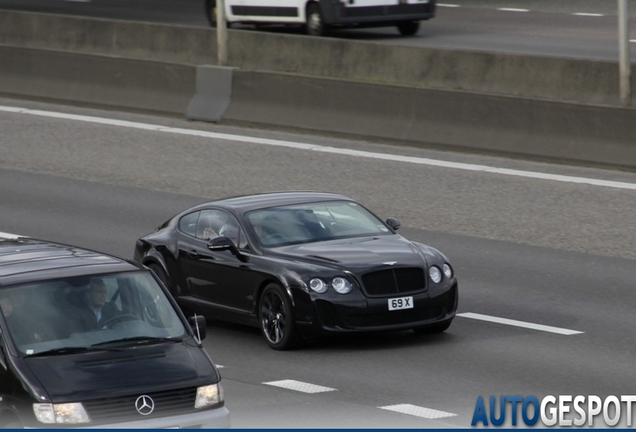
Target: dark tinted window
[(188, 224)]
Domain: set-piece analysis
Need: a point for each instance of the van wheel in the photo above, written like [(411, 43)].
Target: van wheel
[(314, 25), (408, 28), (210, 11), (276, 318)]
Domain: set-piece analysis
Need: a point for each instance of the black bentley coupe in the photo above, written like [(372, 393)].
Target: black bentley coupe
[(298, 264)]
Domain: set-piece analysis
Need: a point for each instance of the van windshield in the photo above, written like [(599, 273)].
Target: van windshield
[(89, 312)]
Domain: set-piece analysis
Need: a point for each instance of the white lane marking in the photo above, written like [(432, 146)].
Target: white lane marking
[(516, 323), (300, 386), (219, 366), (325, 149), (633, 40), (588, 14), (9, 236), (418, 411), (448, 5), (513, 10)]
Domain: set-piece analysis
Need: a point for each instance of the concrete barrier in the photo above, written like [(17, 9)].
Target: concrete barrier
[(597, 135), (102, 81), (490, 73), (567, 132)]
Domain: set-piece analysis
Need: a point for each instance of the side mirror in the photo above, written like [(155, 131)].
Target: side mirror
[(218, 244), (224, 243), (197, 322), (393, 223)]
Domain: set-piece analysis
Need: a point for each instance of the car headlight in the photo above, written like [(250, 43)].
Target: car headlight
[(435, 274), (66, 413), (341, 285), (318, 285), (209, 395), (448, 271)]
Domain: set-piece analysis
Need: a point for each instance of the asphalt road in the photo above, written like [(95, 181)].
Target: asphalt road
[(544, 250), (565, 28)]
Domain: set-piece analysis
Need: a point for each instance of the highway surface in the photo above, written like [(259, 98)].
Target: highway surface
[(565, 28), (540, 244)]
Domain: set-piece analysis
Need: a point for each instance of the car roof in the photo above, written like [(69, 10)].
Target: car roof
[(25, 259), (272, 199)]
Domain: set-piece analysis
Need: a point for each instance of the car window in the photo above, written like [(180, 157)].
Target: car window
[(216, 223), (130, 305), (188, 224), (303, 223)]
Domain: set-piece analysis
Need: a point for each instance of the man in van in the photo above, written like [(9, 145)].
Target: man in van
[(95, 310)]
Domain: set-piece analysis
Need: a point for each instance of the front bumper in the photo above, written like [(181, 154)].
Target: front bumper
[(369, 16), (218, 418), (368, 314)]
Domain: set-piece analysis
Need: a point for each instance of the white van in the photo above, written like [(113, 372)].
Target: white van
[(317, 16)]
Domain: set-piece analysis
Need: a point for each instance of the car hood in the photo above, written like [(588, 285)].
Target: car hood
[(357, 253), (101, 374)]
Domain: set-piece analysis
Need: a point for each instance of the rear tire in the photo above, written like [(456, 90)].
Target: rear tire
[(408, 28), (276, 318), (314, 24), (210, 13), (433, 328)]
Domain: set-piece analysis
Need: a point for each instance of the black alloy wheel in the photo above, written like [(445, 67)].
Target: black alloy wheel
[(433, 328), (314, 25), (408, 28), (276, 318)]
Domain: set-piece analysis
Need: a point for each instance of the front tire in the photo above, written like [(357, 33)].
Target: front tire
[(314, 24), (408, 28), (276, 318)]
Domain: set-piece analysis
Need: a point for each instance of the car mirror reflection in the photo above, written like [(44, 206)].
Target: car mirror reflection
[(222, 243), (393, 223)]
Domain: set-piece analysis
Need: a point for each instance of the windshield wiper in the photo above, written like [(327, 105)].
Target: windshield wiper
[(139, 340), (61, 350)]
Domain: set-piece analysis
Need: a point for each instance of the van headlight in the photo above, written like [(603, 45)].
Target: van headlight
[(209, 395), (66, 413)]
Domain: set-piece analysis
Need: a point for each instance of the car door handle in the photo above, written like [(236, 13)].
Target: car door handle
[(192, 254)]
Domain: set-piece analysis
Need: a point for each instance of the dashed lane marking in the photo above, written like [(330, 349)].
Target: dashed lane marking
[(300, 386), (418, 411), (513, 10)]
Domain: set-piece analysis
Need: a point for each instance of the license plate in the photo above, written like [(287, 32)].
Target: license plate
[(401, 303)]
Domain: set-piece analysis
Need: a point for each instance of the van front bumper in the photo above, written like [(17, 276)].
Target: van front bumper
[(218, 418)]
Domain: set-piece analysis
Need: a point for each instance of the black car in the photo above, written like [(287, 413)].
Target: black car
[(92, 340), (298, 264)]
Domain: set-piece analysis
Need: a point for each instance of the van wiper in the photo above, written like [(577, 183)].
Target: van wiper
[(139, 340), (61, 350)]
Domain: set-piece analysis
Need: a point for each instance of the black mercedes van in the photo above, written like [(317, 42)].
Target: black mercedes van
[(93, 340)]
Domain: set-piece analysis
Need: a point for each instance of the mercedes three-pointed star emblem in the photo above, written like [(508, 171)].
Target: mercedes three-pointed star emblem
[(145, 405)]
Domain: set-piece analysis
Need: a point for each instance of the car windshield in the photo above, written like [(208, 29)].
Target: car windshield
[(311, 222), (89, 312)]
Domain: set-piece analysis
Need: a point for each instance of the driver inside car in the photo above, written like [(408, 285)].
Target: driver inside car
[(95, 312)]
